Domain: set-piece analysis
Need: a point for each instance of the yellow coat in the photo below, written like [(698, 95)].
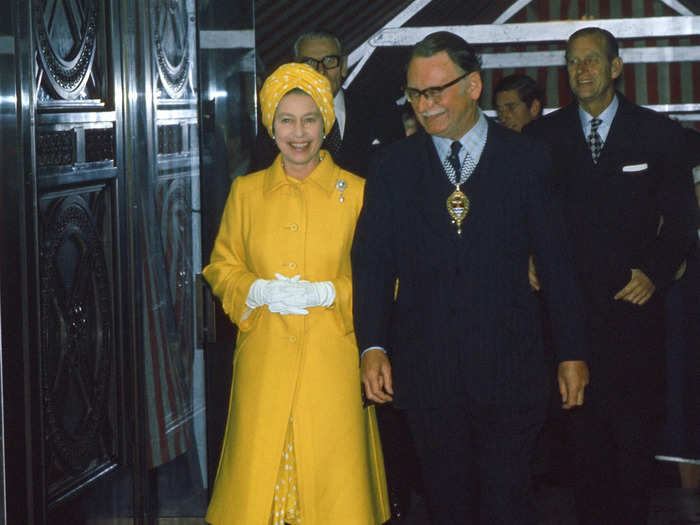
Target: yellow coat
[(293, 365)]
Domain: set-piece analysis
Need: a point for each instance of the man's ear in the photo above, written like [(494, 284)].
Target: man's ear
[(535, 108), (616, 67), (474, 85), (344, 67)]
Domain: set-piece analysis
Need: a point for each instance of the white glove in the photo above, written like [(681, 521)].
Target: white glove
[(320, 293), (276, 293), (290, 295)]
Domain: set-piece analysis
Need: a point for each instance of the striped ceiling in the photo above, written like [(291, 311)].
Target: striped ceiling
[(278, 23)]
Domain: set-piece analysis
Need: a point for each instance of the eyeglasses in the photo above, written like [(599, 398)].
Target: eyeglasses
[(328, 62), (430, 93)]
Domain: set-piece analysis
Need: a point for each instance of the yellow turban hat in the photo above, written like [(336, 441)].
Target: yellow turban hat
[(291, 76)]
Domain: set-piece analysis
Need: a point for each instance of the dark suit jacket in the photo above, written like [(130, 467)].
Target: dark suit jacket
[(465, 324), (367, 129), (613, 211)]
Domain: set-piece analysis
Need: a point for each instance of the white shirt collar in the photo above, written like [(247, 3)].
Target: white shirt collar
[(339, 109), (473, 141), (606, 116)]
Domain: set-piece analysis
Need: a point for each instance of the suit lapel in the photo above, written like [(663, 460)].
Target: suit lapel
[(613, 142), (432, 190), (485, 160), (617, 136), (353, 125), (578, 146), (347, 132)]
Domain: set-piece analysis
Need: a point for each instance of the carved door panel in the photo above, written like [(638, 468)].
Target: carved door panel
[(173, 369), (106, 392), (151, 378), (80, 371), (103, 378)]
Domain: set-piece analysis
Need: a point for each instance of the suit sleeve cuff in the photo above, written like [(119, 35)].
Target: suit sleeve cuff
[(372, 348)]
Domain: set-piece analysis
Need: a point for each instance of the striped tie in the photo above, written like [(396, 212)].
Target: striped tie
[(595, 143)]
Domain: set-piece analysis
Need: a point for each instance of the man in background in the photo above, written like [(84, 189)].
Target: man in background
[(518, 101), (629, 209)]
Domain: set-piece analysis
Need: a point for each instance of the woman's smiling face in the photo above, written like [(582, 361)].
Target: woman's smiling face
[(298, 129)]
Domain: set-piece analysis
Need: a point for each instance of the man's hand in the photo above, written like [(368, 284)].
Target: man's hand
[(375, 370), (639, 290), (532, 275), (573, 378)]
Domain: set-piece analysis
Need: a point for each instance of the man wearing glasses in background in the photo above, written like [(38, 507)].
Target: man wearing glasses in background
[(454, 215), (360, 127)]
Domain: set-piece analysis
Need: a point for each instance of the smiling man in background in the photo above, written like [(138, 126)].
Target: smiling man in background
[(628, 198)]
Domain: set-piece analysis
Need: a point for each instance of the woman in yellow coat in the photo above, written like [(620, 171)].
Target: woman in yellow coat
[(299, 448)]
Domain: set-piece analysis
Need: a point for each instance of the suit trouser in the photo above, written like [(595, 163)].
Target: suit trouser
[(476, 462), (401, 464), (613, 457)]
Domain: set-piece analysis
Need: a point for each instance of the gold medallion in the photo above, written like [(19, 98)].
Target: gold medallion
[(458, 207)]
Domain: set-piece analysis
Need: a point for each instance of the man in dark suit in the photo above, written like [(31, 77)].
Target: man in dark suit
[(627, 194), (361, 126), (453, 214)]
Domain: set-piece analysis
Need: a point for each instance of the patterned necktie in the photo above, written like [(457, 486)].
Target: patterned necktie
[(595, 143), (333, 140), (453, 157)]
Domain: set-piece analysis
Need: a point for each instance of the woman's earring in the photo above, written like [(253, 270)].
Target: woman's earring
[(273, 137)]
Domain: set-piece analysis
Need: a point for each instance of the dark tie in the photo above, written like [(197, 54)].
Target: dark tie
[(595, 143), (453, 157), (332, 142)]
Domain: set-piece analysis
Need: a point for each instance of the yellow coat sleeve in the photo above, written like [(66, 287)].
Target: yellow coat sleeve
[(343, 301), (227, 272)]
